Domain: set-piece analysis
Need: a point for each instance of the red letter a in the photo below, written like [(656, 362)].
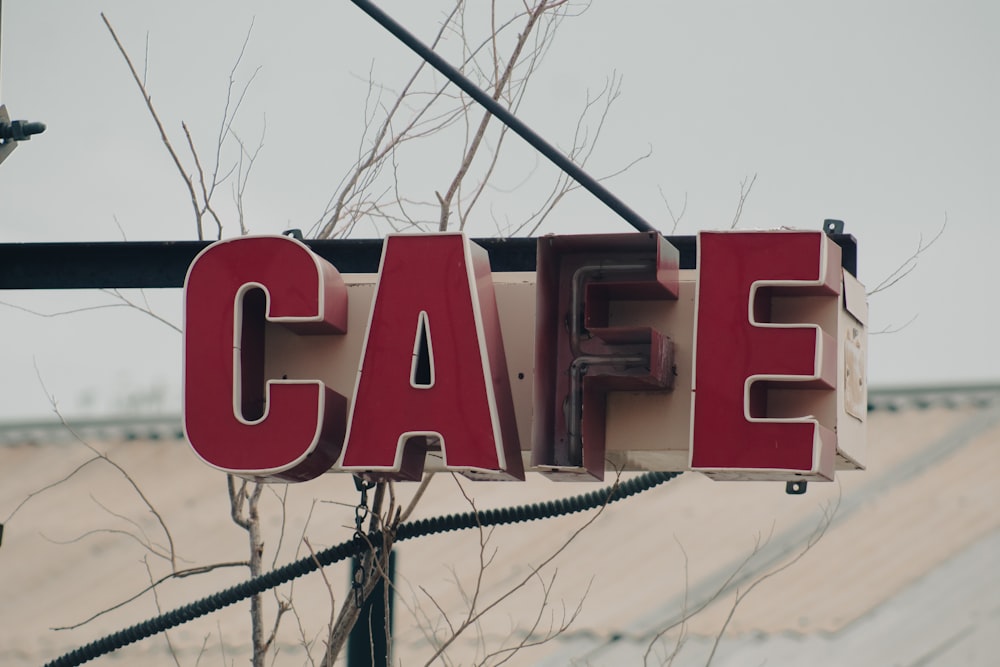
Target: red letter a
[(433, 372)]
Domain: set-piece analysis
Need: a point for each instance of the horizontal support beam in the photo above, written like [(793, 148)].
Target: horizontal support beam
[(163, 264)]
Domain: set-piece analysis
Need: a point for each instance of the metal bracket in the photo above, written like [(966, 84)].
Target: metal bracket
[(12, 132), (831, 226), (6, 147), (796, 488)]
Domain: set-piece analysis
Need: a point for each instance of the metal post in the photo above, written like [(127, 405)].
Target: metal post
[(369, 644)]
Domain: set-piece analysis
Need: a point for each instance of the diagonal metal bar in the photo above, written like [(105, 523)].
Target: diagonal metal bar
[(506, 117)]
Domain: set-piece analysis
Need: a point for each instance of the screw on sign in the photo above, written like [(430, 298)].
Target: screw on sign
[(608, 356)]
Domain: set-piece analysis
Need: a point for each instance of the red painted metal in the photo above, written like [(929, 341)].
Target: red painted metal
[(438, 287), (288, 430), (580, 356), (740, 354), (751, 367)]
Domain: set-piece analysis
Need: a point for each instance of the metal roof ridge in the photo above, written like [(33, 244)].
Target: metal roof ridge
[(884, 391), (949, 387), (165, 427), (923, 397)]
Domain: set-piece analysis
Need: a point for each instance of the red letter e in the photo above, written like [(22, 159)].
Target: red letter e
[(763, 379)]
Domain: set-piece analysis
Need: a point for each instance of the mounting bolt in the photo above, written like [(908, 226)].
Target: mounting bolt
[(795, 488), (831, 226), (20, 130)]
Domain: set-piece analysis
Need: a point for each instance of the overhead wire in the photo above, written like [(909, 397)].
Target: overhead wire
[(354, 547), (424, 527)]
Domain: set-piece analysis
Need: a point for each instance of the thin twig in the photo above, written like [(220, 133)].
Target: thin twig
[(159, 610), (522, 582), (744, 193), (49, 486), (675, 218), (146, 310), (369, 566), (417, 495), (179, 574), (329, 589), (829, 513), (910, 263), (889, 329), (149, 505), (477, 138), (159, 126)]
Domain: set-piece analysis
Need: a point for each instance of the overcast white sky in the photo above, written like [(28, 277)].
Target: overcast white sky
[(883, 114)]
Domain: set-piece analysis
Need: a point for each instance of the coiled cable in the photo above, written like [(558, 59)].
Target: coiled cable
[(354, 547)]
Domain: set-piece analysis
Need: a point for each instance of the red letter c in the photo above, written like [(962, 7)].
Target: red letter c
[(290, 430)]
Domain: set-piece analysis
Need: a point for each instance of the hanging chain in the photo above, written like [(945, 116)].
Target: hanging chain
[(361, 512)]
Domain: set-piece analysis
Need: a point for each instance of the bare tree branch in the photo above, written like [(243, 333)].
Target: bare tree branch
[(829, 513), (372, 564), (745, 189), (48, 487), (889, 329), (140, 82), (128, 478), (498, 89), (377, 152), (333, 598), (179, 574), (475, 615), (675, 218), (159, 610), (910, 263), (144, 309), (207, 182)]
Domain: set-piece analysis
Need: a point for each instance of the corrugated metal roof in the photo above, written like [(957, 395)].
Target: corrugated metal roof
[(904, 575), (948, 617)]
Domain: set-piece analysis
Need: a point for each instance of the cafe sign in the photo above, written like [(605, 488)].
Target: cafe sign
[(607, 357)]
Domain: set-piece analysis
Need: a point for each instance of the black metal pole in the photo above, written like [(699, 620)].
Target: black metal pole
[(163, 264), (370, 642), (506, 117)]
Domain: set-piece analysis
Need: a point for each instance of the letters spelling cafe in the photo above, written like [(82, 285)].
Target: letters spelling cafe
[(613, 355)]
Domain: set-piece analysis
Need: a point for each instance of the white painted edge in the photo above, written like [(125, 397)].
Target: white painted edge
[(855, 299), (423, 327)]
